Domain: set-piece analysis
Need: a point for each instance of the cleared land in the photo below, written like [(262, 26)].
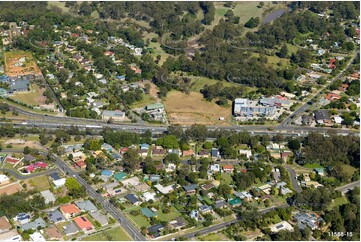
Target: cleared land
[(33, 97), (10, 189), (191, 108), (40, 183), (16, 64)]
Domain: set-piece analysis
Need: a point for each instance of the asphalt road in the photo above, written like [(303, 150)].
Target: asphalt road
[(24, 177), (286, 122), (257, 130), (347, 187), (294, 181), (129, 227)]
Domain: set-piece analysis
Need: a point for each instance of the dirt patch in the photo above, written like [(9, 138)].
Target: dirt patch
[(10, 189), (15, 142), (190, 109), (20, 63)]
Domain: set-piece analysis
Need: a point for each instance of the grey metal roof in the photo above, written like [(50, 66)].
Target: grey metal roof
[(86, 206), (71, 229), (56, 216), (34, 225)]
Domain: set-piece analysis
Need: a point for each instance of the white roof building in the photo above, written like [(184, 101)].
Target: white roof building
[(284, 225), (59, 183), (147, 196), (4, 179), (247, 153), (338, 119), (37, 237), (48, 196), (164, 190)]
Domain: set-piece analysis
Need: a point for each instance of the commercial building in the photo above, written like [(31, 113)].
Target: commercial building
[(247, 108)]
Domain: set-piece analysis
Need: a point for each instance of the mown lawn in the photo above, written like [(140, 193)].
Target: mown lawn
[(114, 234), (313, 166), (146, 100)]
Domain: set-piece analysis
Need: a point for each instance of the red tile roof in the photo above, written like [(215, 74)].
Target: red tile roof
[(83, 223), (70, 209)]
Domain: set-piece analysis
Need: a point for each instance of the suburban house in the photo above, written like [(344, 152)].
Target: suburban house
[(56, 216), (70, 210), (54, 233), (284, 225), (48, 196), (322, 117), (189, 152), (177, 223), (4, 179), (84, 224), (148, 213), (311, 220), (5, 225), (98, 216), (86, 206), (319, 171), (133, 199), (22, 218), (228, 168), (154, 231), (190, 189), (215, 153), (37, 165), (247, 153), (39, 222), (37, 237), (70, 229), (243, 195), (165, 190), (57, 181)]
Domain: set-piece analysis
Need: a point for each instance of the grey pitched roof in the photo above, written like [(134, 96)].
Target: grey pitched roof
[(132, 198), (190, 187), (56, 216), (86, 206), (70, 229), (101, 218), (34, 225)]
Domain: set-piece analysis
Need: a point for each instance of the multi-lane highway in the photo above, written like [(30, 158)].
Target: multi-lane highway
[(127, 225)]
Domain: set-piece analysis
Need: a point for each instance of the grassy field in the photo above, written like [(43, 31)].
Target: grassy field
[(214, 237), (246, 10), (33, 97), (41, 183), (189, 109), (339, 201), (147, 99), (348, 169), (313, 166), (140, 219), (200, 82), (114, 234), (226, 178), (26, 108), (58, 4)]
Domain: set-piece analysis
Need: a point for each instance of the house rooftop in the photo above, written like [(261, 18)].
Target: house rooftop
[(148, 213), (86, 206), (190, 187)]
